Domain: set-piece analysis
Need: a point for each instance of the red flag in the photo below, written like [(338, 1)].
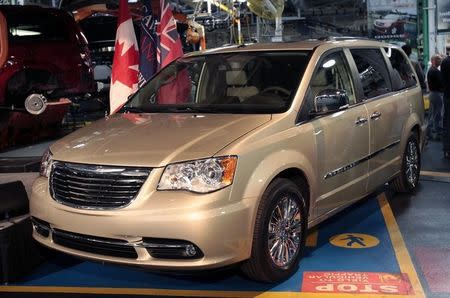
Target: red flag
[(169, 46), (170, 49), (125, 68)]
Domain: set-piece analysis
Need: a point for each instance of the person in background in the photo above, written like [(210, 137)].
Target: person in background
[(420, 76), (445, 74), (436, 105)]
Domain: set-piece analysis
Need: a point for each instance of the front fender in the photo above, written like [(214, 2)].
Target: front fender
[(272, 165)]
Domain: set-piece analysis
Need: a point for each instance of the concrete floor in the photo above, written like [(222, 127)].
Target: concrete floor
[(424, 221)]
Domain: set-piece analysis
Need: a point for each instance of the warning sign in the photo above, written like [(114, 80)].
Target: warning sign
[(357, 283), (354, 240)]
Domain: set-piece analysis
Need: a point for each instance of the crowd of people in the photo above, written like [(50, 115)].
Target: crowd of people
[(438, 81)]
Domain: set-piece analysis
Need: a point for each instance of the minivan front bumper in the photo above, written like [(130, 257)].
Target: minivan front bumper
[(218, 228)]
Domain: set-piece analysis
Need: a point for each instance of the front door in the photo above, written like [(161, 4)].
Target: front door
[(341, 138)]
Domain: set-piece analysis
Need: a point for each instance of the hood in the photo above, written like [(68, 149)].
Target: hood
[(154, 140)]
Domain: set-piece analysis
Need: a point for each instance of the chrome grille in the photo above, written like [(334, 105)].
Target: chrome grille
[(95, 187)]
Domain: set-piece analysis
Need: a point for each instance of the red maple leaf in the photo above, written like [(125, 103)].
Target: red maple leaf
[(122, 70)]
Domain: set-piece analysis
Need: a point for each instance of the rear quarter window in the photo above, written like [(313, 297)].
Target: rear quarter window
[(403, 75), (372, 71)]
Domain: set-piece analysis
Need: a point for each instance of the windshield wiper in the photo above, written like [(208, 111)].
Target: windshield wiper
[(132, 110), (192, 110)]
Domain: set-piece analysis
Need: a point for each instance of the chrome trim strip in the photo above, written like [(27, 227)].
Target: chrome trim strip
[(355, 163), (93, 184), (137, 244), (100, 169), (96, 179), (90, 191)]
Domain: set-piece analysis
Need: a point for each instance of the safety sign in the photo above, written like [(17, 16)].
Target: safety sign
[(354, 240), (357, 283)]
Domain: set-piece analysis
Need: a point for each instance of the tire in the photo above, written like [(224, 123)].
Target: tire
[(408, 179), (262, 265)]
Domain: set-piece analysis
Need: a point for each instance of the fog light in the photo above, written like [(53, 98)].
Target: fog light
[(190, 250)]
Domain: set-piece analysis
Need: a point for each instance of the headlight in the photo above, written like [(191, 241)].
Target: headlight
[(46, 164), (202, 176)]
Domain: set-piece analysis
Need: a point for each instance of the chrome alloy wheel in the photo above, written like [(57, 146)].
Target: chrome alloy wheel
[(412, 163), (285, 226)]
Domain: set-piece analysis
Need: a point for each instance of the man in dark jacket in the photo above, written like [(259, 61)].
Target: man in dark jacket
[(445, 73), (435, 85)]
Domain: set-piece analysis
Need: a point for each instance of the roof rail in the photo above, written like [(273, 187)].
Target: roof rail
[(338, 38)]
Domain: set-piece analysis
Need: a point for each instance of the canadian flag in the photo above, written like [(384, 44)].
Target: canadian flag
[(125, 68)]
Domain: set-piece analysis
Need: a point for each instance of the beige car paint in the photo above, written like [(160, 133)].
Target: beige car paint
[(145, 140), (221, 223)]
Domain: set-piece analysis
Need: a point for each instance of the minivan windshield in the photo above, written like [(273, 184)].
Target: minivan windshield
[(242, 82)]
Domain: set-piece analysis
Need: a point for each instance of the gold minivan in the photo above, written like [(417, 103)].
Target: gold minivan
[(229, 156)]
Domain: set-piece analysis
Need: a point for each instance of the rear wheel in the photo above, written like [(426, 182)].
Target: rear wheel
[(408, 179), (279, 235)]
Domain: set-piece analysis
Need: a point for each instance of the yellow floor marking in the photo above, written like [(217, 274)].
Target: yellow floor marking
[(426, 102), (403, 258), (401, 252), (186, 293), (311, 239), (435, 174)]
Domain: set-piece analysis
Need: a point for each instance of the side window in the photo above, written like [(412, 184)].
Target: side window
[(332, 73), (403, 76), (373, 72)]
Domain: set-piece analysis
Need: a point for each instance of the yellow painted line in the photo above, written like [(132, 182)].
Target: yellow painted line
[(186, 293), (435, 174), (311, 239), (426, 102), (401, 252)]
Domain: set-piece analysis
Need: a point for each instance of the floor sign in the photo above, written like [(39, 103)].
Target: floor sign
[(357, 282), (354, 240)]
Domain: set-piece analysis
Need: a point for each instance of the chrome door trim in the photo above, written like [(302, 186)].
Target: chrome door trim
[(347, 167)]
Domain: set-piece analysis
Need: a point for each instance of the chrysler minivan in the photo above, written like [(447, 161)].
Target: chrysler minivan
[(229, 155)]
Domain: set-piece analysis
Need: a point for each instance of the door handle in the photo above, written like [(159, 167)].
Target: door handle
[(361, 121), (375, 116)]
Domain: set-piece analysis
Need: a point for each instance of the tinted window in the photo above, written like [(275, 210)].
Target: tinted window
[(245, 82), (333, 72), (372, 71), (36, 27), (403, 75)]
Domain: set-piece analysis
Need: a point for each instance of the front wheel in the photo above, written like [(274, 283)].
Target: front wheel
[(279, 235), (408, 179)]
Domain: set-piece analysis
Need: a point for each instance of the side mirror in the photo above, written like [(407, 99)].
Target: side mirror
[(35, 104), (329, 101)]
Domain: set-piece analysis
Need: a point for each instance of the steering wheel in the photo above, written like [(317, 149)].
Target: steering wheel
[(276, 90)]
